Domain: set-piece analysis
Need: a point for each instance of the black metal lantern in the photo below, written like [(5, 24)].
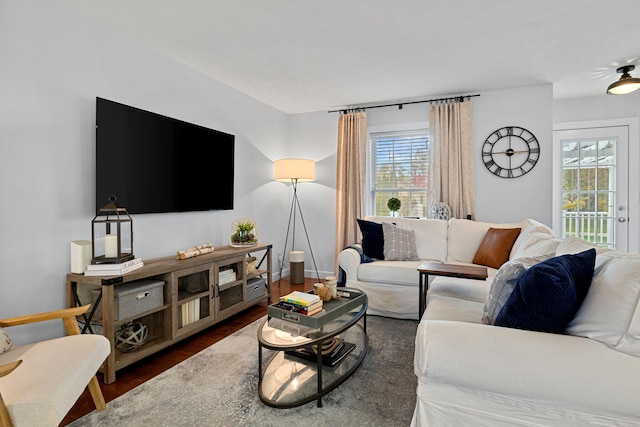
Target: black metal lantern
[(111, 235)]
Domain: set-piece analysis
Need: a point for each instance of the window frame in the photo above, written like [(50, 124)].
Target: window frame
[(369, 197)]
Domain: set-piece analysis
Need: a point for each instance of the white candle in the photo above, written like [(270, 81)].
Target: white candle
[(111, 246)]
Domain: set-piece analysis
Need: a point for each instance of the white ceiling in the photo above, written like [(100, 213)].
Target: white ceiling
[(305, 55)]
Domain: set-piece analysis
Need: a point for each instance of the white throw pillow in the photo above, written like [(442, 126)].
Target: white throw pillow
[(5, 342), (504, 282), (611, 311), (399, 244)]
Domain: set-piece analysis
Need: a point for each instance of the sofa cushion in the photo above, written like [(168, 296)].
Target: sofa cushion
[(611, 311), (52, 376), (548, 295), (392, 272), (5, 341), (504, 282), (441, 307), (431, 237), (372, 238), (399, 243), (534, 243), (464, 238), (430, 234), (574, 245), (496, 246), (529, 226), (456, 287)]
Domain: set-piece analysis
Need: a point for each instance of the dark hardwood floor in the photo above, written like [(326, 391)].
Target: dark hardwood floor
[(136, 374)]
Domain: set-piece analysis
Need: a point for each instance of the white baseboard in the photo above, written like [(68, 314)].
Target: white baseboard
[(307, 274)]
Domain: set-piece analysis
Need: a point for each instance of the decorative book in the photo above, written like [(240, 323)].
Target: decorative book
[(332, 358)]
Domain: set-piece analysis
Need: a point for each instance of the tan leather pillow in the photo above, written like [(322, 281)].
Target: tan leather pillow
[(496, 247)]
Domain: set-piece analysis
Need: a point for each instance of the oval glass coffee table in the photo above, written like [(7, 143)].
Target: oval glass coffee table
[(296, 373)]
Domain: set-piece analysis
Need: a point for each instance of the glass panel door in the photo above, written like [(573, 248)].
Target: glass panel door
[(591, 179)]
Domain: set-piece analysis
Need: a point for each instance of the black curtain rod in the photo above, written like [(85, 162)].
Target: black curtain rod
[(400, 104)]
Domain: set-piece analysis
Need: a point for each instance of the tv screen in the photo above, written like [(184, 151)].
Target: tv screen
[(153, 163)]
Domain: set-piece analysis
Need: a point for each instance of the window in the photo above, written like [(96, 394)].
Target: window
[(398, 167), (588, 189)]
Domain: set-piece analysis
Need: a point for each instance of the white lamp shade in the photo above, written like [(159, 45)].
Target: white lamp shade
[(298, 169), (623, 87)]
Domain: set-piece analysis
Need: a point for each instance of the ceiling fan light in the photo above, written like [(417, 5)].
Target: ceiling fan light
[(626, 84)]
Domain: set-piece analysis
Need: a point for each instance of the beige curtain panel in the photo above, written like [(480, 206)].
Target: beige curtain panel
[(451, 177), (351, 158)]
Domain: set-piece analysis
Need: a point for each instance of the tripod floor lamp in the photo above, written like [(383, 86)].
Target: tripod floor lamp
[(295, 171)]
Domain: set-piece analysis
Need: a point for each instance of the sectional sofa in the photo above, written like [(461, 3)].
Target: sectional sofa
[(392, 285), (474, 368)]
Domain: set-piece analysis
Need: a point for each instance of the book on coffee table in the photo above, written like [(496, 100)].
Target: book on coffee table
[(332, 359), (349, 300)]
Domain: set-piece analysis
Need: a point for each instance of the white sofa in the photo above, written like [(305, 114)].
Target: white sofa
[(470, 373), (392, 286), (476, 374)]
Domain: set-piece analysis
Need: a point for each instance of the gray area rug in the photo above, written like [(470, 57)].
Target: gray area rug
[(219, 387)]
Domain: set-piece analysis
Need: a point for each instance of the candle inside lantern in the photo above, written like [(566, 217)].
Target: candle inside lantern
[(111, 246)]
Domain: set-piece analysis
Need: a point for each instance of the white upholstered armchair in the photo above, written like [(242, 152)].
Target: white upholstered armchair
[(40, 382)]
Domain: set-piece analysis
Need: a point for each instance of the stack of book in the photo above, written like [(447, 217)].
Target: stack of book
[(331, 356), (226, 276), (189, 312), (113, 269), (301, 302)]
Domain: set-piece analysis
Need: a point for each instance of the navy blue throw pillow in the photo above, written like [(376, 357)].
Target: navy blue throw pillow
[(372, 238), (549, 294)]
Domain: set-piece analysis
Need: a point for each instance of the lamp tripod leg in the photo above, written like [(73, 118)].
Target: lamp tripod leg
[(313, 258), (295, 206), (286, 239)]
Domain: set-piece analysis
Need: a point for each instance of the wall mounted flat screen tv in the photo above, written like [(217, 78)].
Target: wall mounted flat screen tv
[(153, 163)]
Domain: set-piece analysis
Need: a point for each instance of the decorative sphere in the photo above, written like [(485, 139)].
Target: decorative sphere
[(131, 336), (440, 210)]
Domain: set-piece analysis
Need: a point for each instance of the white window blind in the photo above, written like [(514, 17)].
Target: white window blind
[(399, 168)]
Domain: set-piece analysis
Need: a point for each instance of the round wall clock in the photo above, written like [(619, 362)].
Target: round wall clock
[(510, 152)]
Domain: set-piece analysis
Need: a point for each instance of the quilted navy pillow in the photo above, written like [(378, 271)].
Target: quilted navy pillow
[(372, 238), (549, 294)]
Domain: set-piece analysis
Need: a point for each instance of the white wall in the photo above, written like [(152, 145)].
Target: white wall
[(314, 136), (498, 199), (528, 196), (597, 108), (54, 64)]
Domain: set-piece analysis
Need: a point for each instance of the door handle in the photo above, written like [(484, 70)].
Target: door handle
[(622, 219)]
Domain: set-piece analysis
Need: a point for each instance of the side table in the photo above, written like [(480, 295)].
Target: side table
[(425, 269)]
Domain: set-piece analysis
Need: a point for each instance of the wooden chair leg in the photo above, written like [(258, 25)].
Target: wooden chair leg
[(96, 394), (5, 419)]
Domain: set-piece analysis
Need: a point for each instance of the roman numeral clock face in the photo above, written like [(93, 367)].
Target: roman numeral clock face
[(510, 152)]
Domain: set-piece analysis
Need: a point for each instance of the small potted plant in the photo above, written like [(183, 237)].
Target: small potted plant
[(394, 205), (243, 233)]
